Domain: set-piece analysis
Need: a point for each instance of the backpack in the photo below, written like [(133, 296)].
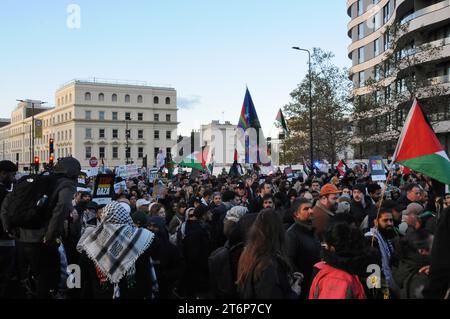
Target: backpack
[(31, 202), (222, 274)]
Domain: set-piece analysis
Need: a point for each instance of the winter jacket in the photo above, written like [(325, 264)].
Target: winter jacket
[(303, 250), (138, 286), (273, 283), (360, 213), (63, 194), (321, 219), (334, 283), (409, 283), (440, 260)]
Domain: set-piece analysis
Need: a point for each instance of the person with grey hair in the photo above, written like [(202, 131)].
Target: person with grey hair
[(232, 218)]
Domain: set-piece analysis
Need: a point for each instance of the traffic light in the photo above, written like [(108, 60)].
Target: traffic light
[(36, 163), (51, 159), (51, 146)]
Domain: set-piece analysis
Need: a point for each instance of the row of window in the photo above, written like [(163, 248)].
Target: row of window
[(115, 152), (115, 116), (115, 134), (127, 98), (65, 99)]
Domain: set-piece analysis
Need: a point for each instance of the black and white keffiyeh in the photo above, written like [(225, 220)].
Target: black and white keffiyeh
[(116, 244)]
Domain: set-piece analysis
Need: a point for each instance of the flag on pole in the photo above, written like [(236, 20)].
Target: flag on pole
[(249, 119), (341, 168), (419, 149), (282, 122)]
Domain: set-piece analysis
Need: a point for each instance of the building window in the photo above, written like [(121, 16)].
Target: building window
[(140, 99), (88, 152), (101, 97), (156, 117), (115, 133), (155, 152), (140, 116), (376, 47), (386, 13), (101, 133), (70, 97), (70, 134), (387, 41), (101, 152), (360, 7), (361, 79), (127, 116), (140, 152), (59, 136), (167, 117), (114, 97), (128, 152), (361, 55), (88, 133), (115, 152), (59, 119), (360, 31), (377, 73), (87, 115), (101, 115), (114, 116), (167, 100), (156, 135), (127, 98), (140, 134), (156, 100), (168, 135), (87, 96), (168, 150)]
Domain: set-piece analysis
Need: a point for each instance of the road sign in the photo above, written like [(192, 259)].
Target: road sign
[(93, 162)]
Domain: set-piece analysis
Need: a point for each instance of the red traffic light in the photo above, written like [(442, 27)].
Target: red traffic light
[(36, 160)]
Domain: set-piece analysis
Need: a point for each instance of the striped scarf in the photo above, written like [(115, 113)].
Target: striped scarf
[(116, 244)]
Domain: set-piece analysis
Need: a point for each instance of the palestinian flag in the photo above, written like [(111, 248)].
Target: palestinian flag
[(419, 149), (282, 122), (196, 160)]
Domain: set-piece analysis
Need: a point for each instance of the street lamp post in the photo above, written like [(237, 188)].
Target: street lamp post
[(32, 128), (311, 154), (127, 136)]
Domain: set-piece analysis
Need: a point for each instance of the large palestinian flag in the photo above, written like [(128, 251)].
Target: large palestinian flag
[(197, 160), (419, 149)]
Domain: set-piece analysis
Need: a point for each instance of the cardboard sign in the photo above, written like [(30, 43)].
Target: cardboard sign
[(127, 171), (120, 185), (152, 174), (104, 189), (376, 168), (82, 180)]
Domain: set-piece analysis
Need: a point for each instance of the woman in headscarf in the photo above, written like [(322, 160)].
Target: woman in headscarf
[(115, 258)]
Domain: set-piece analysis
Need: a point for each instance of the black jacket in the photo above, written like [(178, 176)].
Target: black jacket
[(303, 250), (63, 194), (409, 283), (196, 250), (139, 288), (440, 260), (3, 193), (359, 212), (272, 284)]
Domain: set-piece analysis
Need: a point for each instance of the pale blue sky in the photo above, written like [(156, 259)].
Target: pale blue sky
[(207, 50)]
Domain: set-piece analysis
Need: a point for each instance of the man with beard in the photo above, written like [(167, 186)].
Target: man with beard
[(303, 248), (325, 208), (361, 206), (381, 239)]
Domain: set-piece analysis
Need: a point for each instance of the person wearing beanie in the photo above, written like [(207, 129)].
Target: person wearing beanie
[(325, 208), (361, 207)]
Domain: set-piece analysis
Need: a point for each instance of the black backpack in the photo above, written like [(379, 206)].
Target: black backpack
[(222, 272), (31, 202)]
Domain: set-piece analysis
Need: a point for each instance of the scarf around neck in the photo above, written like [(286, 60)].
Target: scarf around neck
[(115, 244)]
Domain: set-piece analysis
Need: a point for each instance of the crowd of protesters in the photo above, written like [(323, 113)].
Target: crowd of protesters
[(312, 236)]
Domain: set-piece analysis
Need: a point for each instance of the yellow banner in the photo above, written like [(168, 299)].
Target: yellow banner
[(38, 128)]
